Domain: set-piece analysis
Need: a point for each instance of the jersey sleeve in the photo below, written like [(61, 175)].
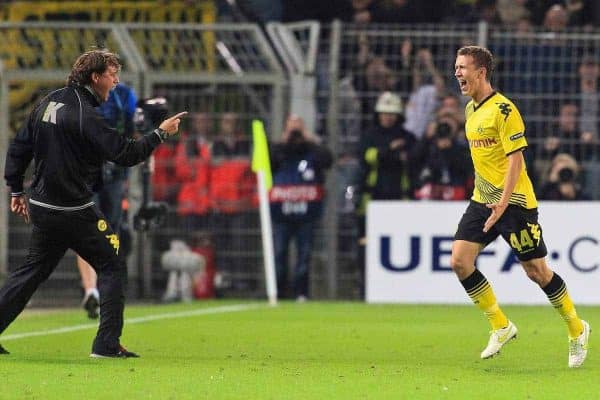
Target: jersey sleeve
[(510, 127)]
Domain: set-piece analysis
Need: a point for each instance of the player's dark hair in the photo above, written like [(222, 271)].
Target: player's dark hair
[(89, 62), (482, 57)]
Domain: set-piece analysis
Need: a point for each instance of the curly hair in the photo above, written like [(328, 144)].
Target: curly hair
[(89, 62), (482, 57)]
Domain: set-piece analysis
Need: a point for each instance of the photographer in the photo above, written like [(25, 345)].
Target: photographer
[(298, 164), (562, 181), (443, 166)]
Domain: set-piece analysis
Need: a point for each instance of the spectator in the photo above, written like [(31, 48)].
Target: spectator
[(232, 191), (523, 26), (118, 112), (589, 72), (562, 180), (581, 12), (556, 18), (537, 10), (164, 188), (372, 75), (422, 103), (393, 11), (376, 78), (451, 107), (567, 138), (446, 169), (511, 12), (192, 169), (484, 10), (324, 11), (230, 171), (383, 152), (298, 165)]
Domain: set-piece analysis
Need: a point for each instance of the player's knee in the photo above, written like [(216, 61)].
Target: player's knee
[(534, 275), (458, 264), (538, 272)]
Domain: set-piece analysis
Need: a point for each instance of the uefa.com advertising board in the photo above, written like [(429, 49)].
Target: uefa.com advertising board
[(409, 245)]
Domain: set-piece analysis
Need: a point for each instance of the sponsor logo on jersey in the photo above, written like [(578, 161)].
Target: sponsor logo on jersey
[(504, 109), (487, 142)]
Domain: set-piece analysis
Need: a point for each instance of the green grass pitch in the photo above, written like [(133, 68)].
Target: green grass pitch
[(299, 351)]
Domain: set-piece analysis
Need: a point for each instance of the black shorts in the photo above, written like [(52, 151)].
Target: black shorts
[(518, 226)]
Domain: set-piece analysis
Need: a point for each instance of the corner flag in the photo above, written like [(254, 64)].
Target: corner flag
[(260, 152), (261, 165)]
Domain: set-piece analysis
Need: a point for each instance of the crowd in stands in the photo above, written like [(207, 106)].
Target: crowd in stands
[(399, 100), (399, 103), (517, 13)]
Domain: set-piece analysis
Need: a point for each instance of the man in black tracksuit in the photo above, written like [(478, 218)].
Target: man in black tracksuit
[(69, 141)]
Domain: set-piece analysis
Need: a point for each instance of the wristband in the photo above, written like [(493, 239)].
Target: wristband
[(162, 134)]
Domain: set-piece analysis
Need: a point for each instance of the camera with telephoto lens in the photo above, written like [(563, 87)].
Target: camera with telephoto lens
[(149, 113), (147, 117), (150, 216), (296, 136), (566, 175)]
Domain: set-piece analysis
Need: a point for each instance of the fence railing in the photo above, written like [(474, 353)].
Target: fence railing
[(227, 71), (217, 70)]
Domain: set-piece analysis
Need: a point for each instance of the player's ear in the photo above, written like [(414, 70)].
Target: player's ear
[(481, 72)]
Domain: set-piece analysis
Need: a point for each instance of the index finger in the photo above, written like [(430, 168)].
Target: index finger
[(179, 115), (488, 224)]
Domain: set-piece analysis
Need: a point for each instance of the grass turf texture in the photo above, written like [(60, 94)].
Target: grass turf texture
[(301, 351)]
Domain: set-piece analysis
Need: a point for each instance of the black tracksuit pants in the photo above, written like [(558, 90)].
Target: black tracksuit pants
[(88, 234)]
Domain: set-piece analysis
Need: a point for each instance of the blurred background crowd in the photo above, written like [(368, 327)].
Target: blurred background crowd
[(399, 121)]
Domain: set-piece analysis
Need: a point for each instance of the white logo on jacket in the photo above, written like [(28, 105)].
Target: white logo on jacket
[(50, 113)]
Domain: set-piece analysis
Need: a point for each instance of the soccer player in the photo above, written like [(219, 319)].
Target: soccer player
[(503, 203)]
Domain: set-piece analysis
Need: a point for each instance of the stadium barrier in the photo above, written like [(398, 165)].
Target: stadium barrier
[(409, 247), (216, 69), (235, 68)]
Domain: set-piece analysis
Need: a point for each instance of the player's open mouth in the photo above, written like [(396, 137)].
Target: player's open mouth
[(462, 83)]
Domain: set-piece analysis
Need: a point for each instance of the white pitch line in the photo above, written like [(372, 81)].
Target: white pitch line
[(136, 320)]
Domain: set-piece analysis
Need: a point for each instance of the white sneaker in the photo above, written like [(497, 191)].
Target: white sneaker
[(499, 338), (578, 347), (301, 299)]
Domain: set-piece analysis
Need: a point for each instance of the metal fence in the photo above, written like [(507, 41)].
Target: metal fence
[(333, 72), (543, 72), (216, 69)]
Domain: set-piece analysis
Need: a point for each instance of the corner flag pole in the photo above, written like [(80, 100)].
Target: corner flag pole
[(261, 165)]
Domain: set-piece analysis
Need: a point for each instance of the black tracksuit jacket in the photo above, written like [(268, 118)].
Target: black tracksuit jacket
[(69, 141)]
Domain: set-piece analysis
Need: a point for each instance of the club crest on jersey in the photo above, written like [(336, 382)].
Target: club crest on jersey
[(102, 225), (480, 130)]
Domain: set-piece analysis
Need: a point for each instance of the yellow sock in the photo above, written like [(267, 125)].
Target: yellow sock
[(482, 294), (559, 297)]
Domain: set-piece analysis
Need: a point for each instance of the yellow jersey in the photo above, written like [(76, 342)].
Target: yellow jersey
[(494, 130)]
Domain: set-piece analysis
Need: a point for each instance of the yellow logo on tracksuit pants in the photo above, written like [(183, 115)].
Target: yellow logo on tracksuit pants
[(113, 239)]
